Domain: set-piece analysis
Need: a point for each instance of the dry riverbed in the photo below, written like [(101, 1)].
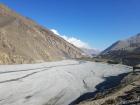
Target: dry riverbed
[(53, 83)]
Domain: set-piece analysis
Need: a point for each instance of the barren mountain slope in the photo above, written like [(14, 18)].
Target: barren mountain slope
[(124, 51), (24, 41), (129, 45)]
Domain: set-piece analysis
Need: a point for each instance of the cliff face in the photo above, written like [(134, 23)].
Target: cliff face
[(24, 41)]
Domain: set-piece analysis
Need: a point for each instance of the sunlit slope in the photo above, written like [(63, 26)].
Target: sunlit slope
[(24, 41)]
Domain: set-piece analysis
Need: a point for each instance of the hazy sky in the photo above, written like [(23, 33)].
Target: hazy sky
[(98, 23)]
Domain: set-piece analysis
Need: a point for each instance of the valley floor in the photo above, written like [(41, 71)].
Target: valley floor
[(53, 83)]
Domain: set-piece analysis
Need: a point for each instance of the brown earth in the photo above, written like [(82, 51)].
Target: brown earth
[(24, 41)]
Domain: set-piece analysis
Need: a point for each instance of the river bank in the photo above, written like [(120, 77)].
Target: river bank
[(127, 92), (110, 82)]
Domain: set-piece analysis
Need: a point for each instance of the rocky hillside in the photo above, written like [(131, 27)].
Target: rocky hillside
[(24, 41), (129, 45), (128, 49)]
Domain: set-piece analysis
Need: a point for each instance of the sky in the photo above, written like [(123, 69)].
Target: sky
[(89, 23)]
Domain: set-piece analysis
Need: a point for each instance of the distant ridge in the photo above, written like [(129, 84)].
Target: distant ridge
[(124, 50), (129, 44)]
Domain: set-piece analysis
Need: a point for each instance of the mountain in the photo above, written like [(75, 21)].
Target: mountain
[(90, 52), (124, 49), (129, 44), (24, 41)]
